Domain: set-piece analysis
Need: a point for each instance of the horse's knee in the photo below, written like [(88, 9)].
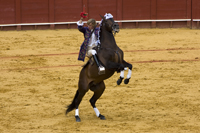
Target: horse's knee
[(130, 66), (120, 68)]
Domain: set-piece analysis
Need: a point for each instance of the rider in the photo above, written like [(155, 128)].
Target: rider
[(91, 40)]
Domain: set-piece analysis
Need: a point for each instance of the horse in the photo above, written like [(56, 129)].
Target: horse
[(111, 57)]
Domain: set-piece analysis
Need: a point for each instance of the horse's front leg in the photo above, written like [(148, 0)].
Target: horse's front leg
[(115, 66), (119, 81), (119, 67), (126, 81)]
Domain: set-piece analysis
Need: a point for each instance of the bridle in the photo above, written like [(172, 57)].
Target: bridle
[(115, 27)]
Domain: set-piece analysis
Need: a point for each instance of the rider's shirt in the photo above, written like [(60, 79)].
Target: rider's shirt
[(93, 40), (89, 41)]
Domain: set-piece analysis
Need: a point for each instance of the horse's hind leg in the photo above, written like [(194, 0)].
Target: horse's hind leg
[(82, 89), (98, 91), (77, 102)]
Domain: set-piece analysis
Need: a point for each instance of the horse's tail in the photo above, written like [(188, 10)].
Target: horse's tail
[(72, 105)]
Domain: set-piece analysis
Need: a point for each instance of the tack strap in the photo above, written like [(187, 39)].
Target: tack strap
[(93, 31)]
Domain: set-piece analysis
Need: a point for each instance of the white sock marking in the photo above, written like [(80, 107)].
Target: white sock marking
[(97, 112), (122, 74), (129, 74), (76, 112)]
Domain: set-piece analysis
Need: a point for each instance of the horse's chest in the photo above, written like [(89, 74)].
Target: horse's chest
[(116, 56)]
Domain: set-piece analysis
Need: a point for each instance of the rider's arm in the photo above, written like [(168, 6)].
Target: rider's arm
[(80, 26)]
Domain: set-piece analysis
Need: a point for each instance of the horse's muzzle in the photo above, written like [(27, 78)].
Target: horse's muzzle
[(115, 27)]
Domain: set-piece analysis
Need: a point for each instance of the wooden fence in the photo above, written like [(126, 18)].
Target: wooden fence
[(59, 14)]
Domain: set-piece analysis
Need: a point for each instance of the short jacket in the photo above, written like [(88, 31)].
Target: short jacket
[(83, 48)]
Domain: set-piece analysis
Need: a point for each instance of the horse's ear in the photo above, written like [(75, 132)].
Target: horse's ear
[(102, 17)]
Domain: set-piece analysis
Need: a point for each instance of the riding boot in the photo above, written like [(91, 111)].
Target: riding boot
[(100, 67)]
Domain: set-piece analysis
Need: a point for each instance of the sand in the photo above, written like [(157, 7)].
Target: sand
[(39, 76)]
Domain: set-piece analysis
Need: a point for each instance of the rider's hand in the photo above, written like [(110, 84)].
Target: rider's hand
[(81, 20)]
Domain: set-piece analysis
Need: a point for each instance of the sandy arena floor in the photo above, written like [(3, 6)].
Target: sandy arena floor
[(39, 76)]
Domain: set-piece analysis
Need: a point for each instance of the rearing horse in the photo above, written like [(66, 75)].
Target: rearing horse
[(111, 57)]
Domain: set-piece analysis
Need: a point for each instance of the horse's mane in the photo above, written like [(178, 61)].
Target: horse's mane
[(100, 27)]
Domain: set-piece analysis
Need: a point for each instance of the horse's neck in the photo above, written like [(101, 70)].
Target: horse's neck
[(107, 39)]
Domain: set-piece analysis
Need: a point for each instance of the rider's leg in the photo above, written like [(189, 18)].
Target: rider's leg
[(93, 53)]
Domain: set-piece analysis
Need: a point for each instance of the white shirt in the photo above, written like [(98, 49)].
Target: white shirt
[(93, 40)]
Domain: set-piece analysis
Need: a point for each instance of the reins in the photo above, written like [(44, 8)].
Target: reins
[(93, 31)]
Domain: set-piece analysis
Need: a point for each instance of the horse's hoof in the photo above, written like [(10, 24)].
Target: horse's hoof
[(119, 81), (126, 81), (102, 117), (78, 119)]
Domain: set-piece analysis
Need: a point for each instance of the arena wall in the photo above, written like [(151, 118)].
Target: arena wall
[(62, 14)]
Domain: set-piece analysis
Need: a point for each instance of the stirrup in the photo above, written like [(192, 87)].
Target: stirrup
[(101, 70)]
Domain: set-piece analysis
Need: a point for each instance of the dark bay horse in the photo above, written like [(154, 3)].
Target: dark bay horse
[(111, 57)]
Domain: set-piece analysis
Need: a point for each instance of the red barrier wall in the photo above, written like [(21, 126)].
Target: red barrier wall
[(7, 11), (50, 11)]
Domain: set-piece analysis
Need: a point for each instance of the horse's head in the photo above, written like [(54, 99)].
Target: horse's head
[(109, 23)]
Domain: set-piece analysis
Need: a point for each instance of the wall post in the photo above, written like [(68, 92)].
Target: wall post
[(18, 13), (189, 13), (51, 13), (194, 14), (119, 12), (153, 13)]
